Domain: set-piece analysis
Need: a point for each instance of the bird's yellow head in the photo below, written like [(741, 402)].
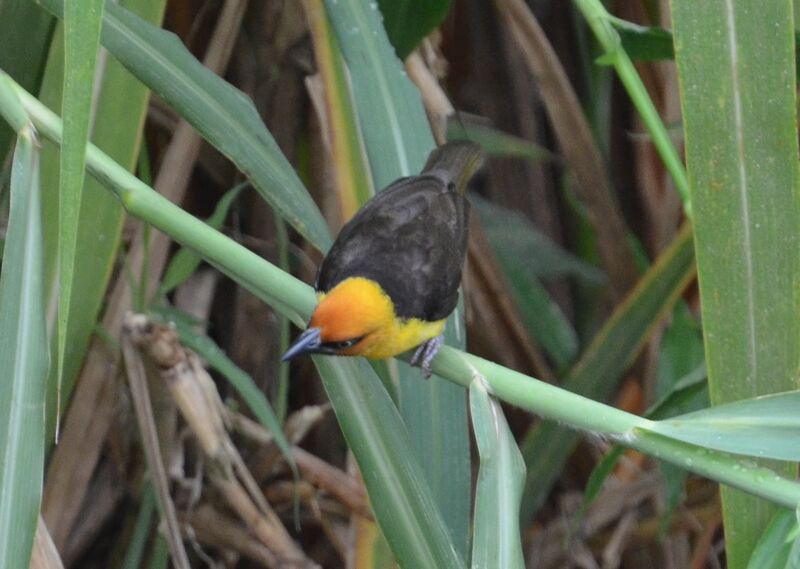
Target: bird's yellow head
[(352, 319)]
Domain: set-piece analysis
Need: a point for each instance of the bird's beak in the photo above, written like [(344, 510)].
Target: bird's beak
[(308, 343)]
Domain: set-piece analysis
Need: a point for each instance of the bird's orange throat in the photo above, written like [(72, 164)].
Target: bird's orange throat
[(359, 308)]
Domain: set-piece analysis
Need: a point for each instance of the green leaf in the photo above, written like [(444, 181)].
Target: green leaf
[(526, 255), (393, 121), (398, 140), (117, 128), (496, 535), (548, 445), (407, 22), (222, 114), (511, 232), (742, 155), (24, 360), (81, 39), (403, 504), (186, 261), (779, 545), (645, 43), (762, 427)]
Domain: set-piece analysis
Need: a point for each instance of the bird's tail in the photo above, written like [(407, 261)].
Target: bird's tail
[(455, 162)]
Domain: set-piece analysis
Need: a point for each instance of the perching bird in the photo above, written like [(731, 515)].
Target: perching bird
[(391, 278)]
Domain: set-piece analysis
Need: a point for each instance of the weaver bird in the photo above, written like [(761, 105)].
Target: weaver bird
[(392, 276)]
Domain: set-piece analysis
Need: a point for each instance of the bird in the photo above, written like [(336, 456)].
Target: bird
[(392, 276)]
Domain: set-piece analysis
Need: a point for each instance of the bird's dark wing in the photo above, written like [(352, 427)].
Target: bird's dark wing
[(411, 239)]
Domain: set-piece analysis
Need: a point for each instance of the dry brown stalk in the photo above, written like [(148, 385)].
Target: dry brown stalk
[(197, 398), (147, 428), (577, 144), (213, 528)]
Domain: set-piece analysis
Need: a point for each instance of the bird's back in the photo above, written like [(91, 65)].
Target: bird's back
[(411, 239)]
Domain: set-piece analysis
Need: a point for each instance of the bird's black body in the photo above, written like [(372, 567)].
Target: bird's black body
[(411, 239)]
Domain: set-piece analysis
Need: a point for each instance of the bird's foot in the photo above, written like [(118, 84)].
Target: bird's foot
[(425, 354)]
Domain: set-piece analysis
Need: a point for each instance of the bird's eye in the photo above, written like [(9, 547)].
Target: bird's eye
[(343, 344)]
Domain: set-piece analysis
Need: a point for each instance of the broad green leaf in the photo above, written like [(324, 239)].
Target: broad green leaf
[(407, 22), (548, 445), (81, 40), (393, 121), (23, 358), (496, 540), (221, 113), (185, 262), (742, 155), (374, 430), (398, 140), (779, 545), (762, 427)]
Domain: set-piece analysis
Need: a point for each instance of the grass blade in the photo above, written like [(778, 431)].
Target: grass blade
[(117, 129), (221, 113), (374, 431), (409, 21), (496, 537), (778, 543), (742, 156), (398, 140), (23, 357), (353, 183), (81, 39), (595, 375), (393, 122)]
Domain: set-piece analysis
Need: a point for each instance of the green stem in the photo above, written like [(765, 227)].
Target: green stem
[(598, 19), (296, 300)]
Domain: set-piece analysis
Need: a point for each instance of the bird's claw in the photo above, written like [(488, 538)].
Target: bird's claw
[(425, 353)]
